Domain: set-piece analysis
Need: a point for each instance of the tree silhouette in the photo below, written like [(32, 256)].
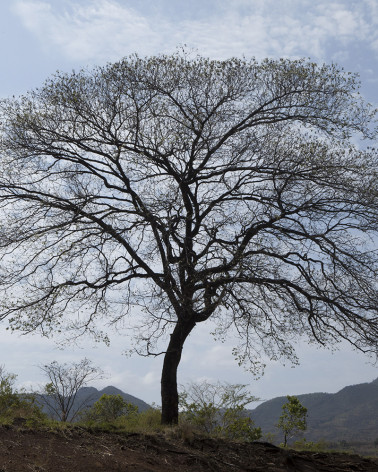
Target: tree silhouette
[(65, 380), (194, 189)]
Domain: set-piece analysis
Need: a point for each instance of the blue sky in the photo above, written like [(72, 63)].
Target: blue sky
[(40, 37)]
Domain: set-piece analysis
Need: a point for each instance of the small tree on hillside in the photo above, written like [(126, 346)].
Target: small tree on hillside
[(108, 409), (14, 403), (8, 396), (65, 381), (293, 419)]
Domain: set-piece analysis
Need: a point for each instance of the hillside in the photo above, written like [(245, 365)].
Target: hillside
[(348, 415), (86, 396), (95, 395), (25, 450)]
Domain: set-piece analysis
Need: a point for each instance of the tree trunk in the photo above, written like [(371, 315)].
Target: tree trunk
[(169, 393)]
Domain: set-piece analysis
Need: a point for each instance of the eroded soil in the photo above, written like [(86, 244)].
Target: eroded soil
[(79, 450)]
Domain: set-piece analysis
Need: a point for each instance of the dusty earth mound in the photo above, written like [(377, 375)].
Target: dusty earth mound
[(84, 451)]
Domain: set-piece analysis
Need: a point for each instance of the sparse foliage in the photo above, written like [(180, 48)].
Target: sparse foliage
[(65, 381), (219, 409), (293, 419), (192, 189)]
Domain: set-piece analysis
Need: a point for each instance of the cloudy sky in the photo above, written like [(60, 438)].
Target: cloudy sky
[(40, 37)]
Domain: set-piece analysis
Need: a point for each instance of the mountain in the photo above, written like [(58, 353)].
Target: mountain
[(93, 394), (87, 396), (348, 415)]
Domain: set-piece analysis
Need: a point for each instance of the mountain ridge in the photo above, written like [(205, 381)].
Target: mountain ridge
[(87, 396), (347, 415)]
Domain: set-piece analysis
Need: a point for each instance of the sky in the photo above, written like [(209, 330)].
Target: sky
[(40, 37)]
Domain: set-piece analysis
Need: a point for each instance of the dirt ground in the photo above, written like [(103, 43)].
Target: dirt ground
[(79, 450)]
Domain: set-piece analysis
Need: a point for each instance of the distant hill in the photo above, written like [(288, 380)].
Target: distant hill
[(95, 395), (87, 396), (348, 415)]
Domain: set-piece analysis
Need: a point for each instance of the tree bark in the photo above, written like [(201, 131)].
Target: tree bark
[(169, 393)]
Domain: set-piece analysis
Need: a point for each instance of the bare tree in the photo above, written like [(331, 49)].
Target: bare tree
[(60, 394), (194, 189)]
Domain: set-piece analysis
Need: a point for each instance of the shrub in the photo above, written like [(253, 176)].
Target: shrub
[(109, 409), (146, 421), (303, 445), (15, 404), (219, 409)]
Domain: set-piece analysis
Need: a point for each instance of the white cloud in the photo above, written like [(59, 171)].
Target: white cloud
[(218, 355), (102, 29), (339, 22), (107, 29), (151, 378)]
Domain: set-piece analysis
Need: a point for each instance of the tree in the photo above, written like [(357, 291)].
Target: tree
[(172, 190), (60, 394), (8, 396), (108, 409), (220, 409), (293, 418), (15, 403)]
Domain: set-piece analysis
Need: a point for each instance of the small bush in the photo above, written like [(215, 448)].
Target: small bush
[(219, 410), (146, 421), (303, 445), (15, 404), (109, 409), (112, 412)]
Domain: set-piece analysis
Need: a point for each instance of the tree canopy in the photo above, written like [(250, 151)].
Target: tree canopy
[(192, 188)]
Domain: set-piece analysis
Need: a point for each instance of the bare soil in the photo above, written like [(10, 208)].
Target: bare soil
[(79, 450)]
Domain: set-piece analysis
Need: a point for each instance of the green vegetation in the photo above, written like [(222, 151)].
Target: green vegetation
[(15, 404), (363, 447), (293, 418), (216, 410), (109, 409), (345, 421), (219, 409), (314, 446), (206, 409), (129, 420)]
